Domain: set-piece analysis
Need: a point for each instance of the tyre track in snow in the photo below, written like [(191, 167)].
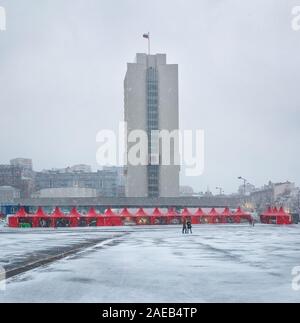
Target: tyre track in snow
[(52, 255)]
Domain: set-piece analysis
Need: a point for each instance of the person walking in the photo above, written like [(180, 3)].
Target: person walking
[(189, 227), (184, 228)]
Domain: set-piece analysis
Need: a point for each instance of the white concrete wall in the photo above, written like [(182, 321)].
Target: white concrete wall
[(169, 120), (136, 118)]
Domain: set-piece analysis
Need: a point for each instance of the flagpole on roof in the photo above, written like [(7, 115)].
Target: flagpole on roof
[(148, 38)]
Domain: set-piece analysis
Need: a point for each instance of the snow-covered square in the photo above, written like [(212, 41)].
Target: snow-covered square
[(217, 263)]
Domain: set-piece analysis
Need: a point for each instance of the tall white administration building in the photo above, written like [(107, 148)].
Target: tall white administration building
[(151, 103)]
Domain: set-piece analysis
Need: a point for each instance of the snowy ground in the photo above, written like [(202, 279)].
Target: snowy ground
[(157, 264)]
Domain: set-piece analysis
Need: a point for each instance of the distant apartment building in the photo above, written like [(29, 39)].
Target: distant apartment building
[(24, 163), (151, 104), (81, 168), (14, 176), (120, 178), (246, 189), (272, 194), (186, 190), (10, 176), (63, 192), (105, 182), (8, 194), (80, 178)]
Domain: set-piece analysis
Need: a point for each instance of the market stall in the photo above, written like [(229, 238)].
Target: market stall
[(112, 218), (41, 219), (24, 219), (173, 217), (92, 217), (142, 218), (228, 217), (13, 220), (242, 216), (214, 216), (283, 217), (186, 215), (157, 217), (198, 216), (74, 217), (264, 216), (275, 216), (59, 219), (127, 217)]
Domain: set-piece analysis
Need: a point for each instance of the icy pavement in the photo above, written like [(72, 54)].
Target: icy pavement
[(20, 247), (159, 264)]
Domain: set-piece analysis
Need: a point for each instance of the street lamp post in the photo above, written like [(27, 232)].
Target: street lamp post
[(220, 189), (245, 181)]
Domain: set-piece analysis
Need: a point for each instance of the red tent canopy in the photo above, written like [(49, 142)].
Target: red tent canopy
[(157, 217), (268, 212), (281, 212), (142, 218), (74, 216), (74, 213), (21, 213), (112, 218), (172, 216), (283, 217), (239, 212), (200, 212), (275, 216), (171, 212), (213, 212), (92, 213), (13, 221), (140, 212), (157, 212), (109, 212), (58, 213), (186, 212), (40, 213), (227, 212), (125, 212)]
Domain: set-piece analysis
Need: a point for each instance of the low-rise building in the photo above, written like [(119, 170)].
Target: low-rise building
[(273, 194), (63, 192), (8, 194), (105, 182)]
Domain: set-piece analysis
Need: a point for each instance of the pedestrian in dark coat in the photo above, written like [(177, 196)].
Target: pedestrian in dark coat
[(184, 228), (189, 227)]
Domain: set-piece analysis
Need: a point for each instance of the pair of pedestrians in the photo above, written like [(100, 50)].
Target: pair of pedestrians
[(187, 227)]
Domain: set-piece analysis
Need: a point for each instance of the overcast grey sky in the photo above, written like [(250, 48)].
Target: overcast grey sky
[(62, 65)]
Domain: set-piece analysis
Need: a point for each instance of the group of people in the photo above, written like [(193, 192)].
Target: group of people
[(187, 227)]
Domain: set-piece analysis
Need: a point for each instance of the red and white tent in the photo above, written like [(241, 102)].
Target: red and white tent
[(275, 216), (227, 216), (199, 216), (157, 217), (74, 216), (58, 218), (128, 218), (41, 218), (112, 218), (214, 216), (142, 218), (14, 220), (172, 216)]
